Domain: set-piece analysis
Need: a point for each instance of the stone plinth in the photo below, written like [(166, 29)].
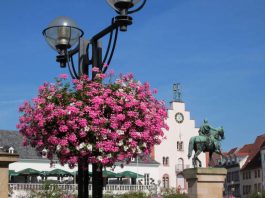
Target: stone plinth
[(5, 160), (205, 182)]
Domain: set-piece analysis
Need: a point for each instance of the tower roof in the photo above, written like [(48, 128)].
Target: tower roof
[(177, 94)]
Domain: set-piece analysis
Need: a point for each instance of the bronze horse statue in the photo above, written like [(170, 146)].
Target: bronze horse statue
[(209, 142)]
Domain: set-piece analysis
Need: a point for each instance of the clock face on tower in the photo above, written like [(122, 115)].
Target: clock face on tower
[(179, 117)]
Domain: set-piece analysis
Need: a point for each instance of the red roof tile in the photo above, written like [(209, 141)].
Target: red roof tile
[(253, 149)]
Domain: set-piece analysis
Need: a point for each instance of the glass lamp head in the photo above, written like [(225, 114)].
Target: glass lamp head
[(120, 5), (62, 33)]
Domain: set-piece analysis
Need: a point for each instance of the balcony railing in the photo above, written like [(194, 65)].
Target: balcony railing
[(73, 187)]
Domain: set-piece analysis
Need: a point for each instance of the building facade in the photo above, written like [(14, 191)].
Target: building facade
[(245, 169), (172, 153)]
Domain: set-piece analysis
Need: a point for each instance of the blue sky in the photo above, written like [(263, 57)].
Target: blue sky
[(215, 49)]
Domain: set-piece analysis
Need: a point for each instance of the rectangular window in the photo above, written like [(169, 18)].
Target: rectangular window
[(259, 187), (180, 145), (228, 177), (259, 173), (249, 189), (236, 176)]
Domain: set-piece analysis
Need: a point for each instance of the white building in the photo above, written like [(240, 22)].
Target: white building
[(173, 151)]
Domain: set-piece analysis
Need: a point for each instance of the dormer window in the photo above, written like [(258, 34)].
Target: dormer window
[(11, 150)]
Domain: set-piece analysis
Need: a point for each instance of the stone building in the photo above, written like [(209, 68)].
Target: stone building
[(245, 169)]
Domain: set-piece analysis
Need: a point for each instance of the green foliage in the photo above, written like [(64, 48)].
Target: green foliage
[(172, 193), (50, 191), (169, 193), (258, 195), (128, 195)]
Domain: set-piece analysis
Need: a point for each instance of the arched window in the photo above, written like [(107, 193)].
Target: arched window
[(164, 160), (165, 180), (180, 165)]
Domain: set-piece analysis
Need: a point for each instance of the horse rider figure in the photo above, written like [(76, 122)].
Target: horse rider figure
[(205, 130), (208, 140)]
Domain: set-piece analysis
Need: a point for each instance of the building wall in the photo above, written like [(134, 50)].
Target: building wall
[(232, 182), (262, 153), (251, 181), (168, 148), (44, 165)]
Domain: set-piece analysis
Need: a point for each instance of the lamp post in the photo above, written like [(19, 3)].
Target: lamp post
[(65, 37)]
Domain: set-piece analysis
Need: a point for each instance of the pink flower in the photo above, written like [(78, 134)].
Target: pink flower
[(95, 69), (105, 65), (82, 134), (63, 76), (42, 88), (68, 119), (63, 128), (53, 140), (73, 160), (72, 138), (63, 142), (120, 117), (83, 122), (139, 123)]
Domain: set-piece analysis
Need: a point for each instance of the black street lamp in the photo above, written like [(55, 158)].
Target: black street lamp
[(64, 36)]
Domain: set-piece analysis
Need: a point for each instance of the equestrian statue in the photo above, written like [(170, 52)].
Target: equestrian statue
[(208, 140)]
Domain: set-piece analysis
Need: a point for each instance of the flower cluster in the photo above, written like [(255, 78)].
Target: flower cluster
[(103, 122)]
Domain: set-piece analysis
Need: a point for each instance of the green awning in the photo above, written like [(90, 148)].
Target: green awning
[(44, 173), (129, 174), (12, 173), (105, 173), (59, 172), (109, 174), (28, 171), (76, 173)]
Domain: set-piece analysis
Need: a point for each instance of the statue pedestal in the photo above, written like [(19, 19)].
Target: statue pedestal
[(205, 182), (5, 160)]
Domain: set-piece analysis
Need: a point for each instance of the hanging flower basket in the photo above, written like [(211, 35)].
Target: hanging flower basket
[(103, 122)]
